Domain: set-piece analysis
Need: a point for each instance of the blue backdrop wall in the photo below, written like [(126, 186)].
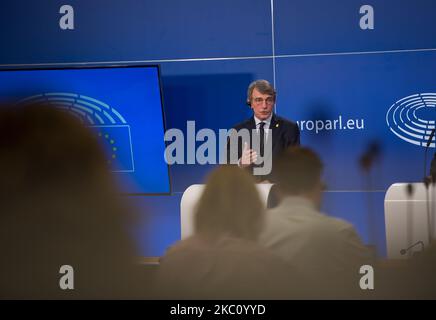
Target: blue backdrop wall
[(333, 77)]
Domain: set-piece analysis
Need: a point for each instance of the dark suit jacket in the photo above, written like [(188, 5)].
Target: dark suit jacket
[(284, 134)]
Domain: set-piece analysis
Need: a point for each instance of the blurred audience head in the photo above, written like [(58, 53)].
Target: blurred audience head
[(230, 205), (222, 260), (298, 172), (59, 206)]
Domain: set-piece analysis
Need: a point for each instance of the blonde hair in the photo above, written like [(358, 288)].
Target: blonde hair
[(230, 205)]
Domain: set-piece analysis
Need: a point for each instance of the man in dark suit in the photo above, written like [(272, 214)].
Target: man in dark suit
[(269, 134)]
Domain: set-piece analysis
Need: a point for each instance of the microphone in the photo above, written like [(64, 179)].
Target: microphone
[(430, 138), (404, 251), (425, 156), (370, 156), (410, 189)]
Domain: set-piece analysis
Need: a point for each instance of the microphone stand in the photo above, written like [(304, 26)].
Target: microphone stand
[(367, 161), (404, 251), (409, 192), (427, 182), (433, 194)]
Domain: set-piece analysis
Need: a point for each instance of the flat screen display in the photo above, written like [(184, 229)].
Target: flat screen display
[(122, 104)]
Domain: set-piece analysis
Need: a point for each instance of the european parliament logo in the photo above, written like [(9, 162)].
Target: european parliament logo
[(413, 118), (111, 127)]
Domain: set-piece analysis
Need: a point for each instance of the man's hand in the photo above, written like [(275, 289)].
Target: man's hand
[(249, 156)]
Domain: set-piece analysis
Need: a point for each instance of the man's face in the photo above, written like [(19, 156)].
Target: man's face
[(262, 104)]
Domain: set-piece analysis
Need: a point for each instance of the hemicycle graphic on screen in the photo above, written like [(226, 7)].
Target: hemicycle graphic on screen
[(110, 125), (406, 118)]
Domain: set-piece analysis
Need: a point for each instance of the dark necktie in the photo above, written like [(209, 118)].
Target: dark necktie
[(262, 138)]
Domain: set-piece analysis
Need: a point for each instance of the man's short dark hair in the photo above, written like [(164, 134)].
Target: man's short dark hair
[(298, 170), (263, 86)]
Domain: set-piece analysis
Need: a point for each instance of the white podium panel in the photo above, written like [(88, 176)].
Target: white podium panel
[(190, 199), (406, 219)]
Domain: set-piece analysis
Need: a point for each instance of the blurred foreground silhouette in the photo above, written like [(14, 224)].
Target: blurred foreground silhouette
[(59, 206)]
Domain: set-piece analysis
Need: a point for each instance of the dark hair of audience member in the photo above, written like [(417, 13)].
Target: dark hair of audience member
[(229, 190), (298, 170), (59, 207)]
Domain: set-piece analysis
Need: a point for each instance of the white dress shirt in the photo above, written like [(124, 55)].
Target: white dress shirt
[(265, 127), (313, 242)]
